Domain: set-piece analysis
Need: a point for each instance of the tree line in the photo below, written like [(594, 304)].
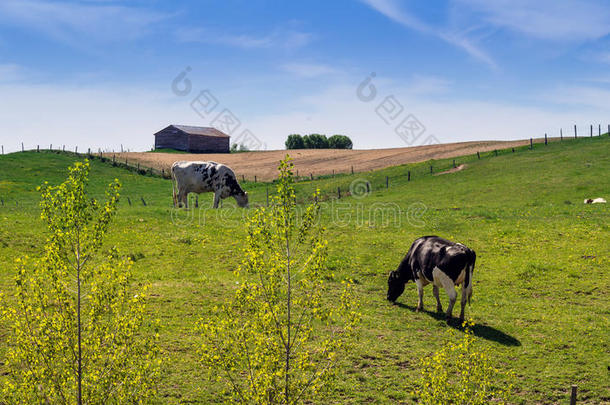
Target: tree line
[(318, 141)]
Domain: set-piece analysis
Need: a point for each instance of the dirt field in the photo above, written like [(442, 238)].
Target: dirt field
[(321, 161)]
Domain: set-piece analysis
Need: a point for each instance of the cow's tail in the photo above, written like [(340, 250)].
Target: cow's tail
[(174, 186), (468, 281)]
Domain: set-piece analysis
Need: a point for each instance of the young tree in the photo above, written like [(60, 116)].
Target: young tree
[(74, 322), (295, 141), (461, 373), (277, 340)]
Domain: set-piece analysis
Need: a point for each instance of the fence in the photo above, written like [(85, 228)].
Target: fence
[(341, 190)]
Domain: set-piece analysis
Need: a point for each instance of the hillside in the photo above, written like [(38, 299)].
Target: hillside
[(541, 302), (318, 162)]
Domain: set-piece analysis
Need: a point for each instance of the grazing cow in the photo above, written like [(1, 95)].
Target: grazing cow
[(202, 177), (595, 201), (438, 261)]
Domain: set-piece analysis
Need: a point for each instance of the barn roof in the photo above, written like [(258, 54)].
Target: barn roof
[(192, 130)]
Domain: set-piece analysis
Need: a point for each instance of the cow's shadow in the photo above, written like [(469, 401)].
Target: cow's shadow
[(482, 331)]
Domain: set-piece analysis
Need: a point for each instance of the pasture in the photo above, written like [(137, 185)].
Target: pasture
[(541, 301)]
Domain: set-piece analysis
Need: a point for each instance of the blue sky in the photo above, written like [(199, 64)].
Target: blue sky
[(99, 73)]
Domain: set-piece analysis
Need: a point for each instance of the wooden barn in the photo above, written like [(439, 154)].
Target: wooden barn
[(192, 139)]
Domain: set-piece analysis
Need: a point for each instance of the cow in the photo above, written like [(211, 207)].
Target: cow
[(435, 260), (202, 177), (595, 201)]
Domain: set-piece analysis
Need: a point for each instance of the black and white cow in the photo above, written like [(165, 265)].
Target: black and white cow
[(435, 260), (203, 177)]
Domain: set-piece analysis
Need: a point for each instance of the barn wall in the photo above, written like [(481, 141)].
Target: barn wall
[(200, 144), (167, 139)]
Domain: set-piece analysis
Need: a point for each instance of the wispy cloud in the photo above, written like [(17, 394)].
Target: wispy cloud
[(308, 70), (545, 19), (70, 22), (279, 38), (393, 10)]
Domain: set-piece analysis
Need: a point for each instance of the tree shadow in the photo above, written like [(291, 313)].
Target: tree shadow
[(482, 331)]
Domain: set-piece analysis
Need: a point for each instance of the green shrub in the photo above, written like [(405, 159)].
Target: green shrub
[(461, 374), (295, 141), (339, 142)]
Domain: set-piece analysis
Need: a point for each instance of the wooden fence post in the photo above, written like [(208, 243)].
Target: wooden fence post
[(311, 176), (255, 178), (560, 134), (409, 174), (51, 147), (37, 148), (478, 155), (573, 395), (546, 142), (387, 182), (430, 168), (339, 192), (76, 149), (22, 148), (333, 172), (575, 132), (591, 130), (531, 143), (243, 178), (63, 148), (454, 163), (599, 129), (353, 166)]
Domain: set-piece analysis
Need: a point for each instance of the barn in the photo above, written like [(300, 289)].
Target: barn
[(192, 139)]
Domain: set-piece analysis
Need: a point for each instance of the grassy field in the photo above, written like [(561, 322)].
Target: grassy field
[(541, 301)]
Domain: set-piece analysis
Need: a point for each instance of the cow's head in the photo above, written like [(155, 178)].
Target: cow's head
[(396, 286), (242, 199)]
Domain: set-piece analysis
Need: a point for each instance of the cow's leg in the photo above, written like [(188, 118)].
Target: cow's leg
[(216, 198), (439, 307), (466, 294), (420, 295), (183, 198), (447, 283)]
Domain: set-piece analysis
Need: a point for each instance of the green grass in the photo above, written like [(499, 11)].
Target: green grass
[(541, 300)]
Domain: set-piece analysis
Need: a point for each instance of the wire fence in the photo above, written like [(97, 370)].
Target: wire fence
[(344, 184)]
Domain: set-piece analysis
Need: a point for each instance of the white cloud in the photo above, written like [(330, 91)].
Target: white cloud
[(279, 38), (546, 19), (393, 10), (308, 70), (70, 22)]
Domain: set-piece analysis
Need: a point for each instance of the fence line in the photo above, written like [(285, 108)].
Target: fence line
[(162, 173)]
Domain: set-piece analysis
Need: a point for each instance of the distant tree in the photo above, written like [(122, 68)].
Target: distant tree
[(295, 141), (235, 148), (339, 142), (315, 141)]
